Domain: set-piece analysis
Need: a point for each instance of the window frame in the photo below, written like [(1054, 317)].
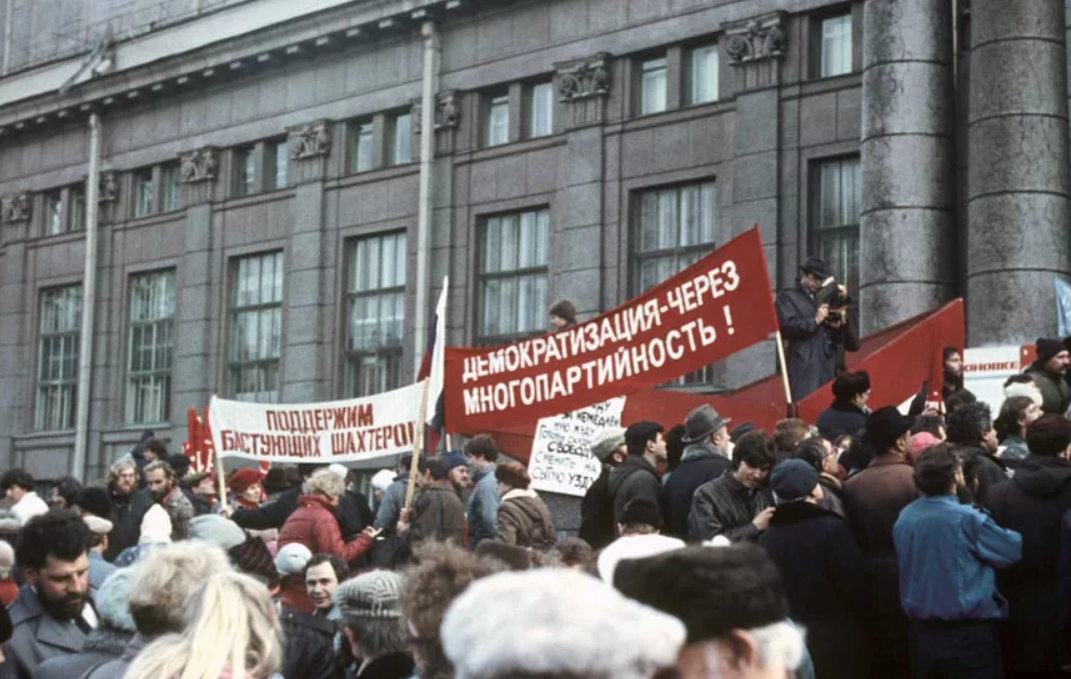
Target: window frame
[(641, 80), (234, 310), (817, 35), (389, 352), (66, 383), (244, 159), (170, 186), (532, 108), (356, 148), (816, 232), (131, 405), (710, 47), (277, 147), (143, 206), (53, 221), (396, 138), (77, 214), (517, 273), (496, 101)]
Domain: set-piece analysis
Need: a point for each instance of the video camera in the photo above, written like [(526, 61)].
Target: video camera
[(830, 293)]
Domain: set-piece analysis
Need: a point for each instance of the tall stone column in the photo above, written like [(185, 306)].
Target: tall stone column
[(1018, 173), (907, 230)]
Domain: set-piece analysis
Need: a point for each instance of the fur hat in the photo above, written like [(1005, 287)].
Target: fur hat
[(340, 469), (7, 559), (155, 526), (1030, 391), (610, 440), (98, 525), (292, 559), (382, 480), (642, 510), (242, 479), (112, 600), (574, 626), (633, 547), (216, 530), (375, 594), (95, 501)]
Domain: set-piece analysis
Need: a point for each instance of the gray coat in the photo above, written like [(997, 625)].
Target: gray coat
[(390, 507), (809, 349), (116, 669), (103, 645), (37, 637)]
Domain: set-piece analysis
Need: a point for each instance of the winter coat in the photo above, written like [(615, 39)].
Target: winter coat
[(293, 595), (310, 646), (388, 666), (314, 525), (990, 471), (832, 491), (271, 514), (28, 507), (1053, 388), (354, 514), (483, 507), (635, 477), (701, 462), (37, 637), (822, 571), (597, 513), (840, 418), (726, 507), (390, 507), (811, 354), (180, 510), (116, 669), (99, 570), (127, 512), (524, 520), (873, 499), (438, 514), (103, 645), (1033, 503), (1013, 450)]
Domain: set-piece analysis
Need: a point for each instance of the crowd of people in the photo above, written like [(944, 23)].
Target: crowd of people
[(870, 543)]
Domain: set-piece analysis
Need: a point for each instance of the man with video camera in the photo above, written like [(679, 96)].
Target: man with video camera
[(815, 327)]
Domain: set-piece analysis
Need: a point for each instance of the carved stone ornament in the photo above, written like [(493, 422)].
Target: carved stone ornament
[(109, 188), (447, 111), (201, 165), (311, 141), (757, 39), (584, 78), (17, 209)]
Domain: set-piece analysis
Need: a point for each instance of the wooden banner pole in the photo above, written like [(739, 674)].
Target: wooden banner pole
[(418, 446), (784, 369)]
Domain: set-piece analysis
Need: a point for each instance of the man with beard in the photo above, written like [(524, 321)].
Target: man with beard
[(1049, 373), (53, 613), (164, 487), (128, 506), (737, 504)]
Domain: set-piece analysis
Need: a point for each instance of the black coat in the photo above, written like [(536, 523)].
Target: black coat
[(127, 512), (822, 571), (597, 513), (635, 478), (682, 484), (354, 514), (271, 514), (840, 418), (1033, 503), (810, 353), (726, 507), (310, 646)]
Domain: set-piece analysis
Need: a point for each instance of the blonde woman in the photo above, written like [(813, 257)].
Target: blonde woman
[(234, 633)]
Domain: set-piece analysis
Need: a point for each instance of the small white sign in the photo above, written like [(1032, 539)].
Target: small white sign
[(561, 460)]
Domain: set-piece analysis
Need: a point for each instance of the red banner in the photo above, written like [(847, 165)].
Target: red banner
[(716, 307)]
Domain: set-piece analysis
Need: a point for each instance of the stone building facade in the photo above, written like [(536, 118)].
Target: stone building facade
[(260, 189)]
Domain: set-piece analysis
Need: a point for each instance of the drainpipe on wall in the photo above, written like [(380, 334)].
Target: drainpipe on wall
[(89, 303), (427, 158)]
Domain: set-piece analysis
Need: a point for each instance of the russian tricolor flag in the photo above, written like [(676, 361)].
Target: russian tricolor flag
[(433, 369)]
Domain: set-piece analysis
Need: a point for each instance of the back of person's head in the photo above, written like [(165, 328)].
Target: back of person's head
[(436, 466), (1018, 378), (788, 433), (935, 470), (441, 572), (573, 553), (342, 571), (325, 483), (957, 400), (640, 517), (969, 424), (565, 310), (1049, 435), (112, 601), (850, 384), (67, 488), (405, 462), (930, 423), (158, 448), (514, 475), (1011, 411), (60, 534), (17, 477), (163, 580), (812, 451), (307, 469), (233, 631), (574, 626), (675, 446), (756, 450), (482, 447)]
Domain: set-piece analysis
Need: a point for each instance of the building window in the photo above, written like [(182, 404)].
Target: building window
[(653, 86), (840, 200), (76, 212), (245, 170), (152, 311), (281, 156), (401, 138), (172, 189), (57, 372), (144, 193), (362, 154), (257, 328), (704, 81), (513, 276), (376, 302), (676, 228), (53, 213), (497, 132), (836, 45), (541, 115)]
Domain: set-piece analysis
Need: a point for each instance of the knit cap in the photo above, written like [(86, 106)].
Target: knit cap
[(292, 559), (252, 557), (376, 594), (382, 480), (216, 530), (1048, 348), (95, 501), (155, 526)]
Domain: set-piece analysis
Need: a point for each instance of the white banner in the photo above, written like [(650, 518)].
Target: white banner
[(561, 460), (333, 431)]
